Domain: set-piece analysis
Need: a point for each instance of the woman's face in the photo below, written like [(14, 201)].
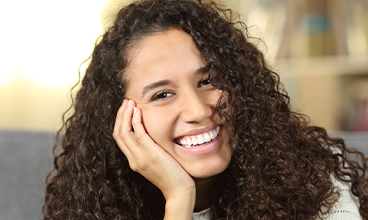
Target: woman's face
[(168, 81)]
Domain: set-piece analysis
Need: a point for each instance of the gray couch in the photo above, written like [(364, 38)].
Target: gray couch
[(25, 158), (23, 167)]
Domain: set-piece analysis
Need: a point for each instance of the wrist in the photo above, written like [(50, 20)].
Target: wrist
[(180, 206)]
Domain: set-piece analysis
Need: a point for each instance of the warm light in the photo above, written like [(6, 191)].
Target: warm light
[(46, 41), (10, 66), (11, 47)]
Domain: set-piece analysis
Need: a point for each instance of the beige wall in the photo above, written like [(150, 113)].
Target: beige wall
[(42, 45), (30, 106)]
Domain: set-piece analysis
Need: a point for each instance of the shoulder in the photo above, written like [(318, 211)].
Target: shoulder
[(347, 205)]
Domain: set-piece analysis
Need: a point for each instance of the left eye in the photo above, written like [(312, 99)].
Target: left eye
[(162, 95), (204, 82)]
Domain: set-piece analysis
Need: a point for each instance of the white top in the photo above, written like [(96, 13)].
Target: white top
[(346, 208), (202, 215)]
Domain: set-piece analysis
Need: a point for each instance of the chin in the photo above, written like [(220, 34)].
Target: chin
[(208, 170)]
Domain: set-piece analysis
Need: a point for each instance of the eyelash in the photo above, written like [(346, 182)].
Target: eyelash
[(156, 96), (203, 80), (164, 92)]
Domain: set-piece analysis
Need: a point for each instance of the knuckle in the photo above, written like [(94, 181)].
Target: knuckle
[(139, 136), (138, 166), (115, 134), (122, 135), (134, 167), (142, 166)]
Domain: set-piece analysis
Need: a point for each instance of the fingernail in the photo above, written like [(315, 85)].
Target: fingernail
[(134, 110), (124, 102), (130, 102)]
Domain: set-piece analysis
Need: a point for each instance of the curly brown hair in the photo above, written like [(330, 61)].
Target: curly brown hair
[(280, 168)]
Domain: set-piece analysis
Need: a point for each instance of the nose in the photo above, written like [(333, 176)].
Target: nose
[(196, 107)]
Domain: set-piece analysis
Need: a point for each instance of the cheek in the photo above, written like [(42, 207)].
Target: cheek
[(213, 97), (158, 125)]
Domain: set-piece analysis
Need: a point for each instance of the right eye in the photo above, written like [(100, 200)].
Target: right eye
[(204, 82), (162, 95)]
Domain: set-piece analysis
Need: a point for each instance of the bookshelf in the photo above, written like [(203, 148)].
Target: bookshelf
[(329, 89), (320, 50)]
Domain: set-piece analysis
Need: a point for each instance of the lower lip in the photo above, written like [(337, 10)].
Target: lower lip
[(206, 148)]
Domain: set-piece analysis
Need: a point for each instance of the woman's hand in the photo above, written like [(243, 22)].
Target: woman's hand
[(153, 162)]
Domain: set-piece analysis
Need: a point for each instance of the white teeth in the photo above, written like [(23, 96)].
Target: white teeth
[(197, 140), (212, 135), (194, 141), (200, 139), (189, 142), (207, 138)]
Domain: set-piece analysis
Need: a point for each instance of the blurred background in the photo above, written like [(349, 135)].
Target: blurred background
[(318, 47), (42, 45), (320, 50)]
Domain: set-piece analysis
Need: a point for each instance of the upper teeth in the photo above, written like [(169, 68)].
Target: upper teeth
[(200, 139)]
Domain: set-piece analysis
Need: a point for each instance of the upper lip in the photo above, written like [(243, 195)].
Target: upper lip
[(198, 131)]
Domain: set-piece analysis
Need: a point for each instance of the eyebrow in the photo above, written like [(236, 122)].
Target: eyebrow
[(165, 82), (155, 85), (202, 70)]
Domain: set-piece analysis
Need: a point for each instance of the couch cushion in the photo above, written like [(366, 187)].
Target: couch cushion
[(24, 163)]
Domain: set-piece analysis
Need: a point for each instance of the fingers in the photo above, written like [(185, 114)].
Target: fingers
[(127, 117), (121, 129), (132, 143), (140, 133), (119, 115), (124, 135)]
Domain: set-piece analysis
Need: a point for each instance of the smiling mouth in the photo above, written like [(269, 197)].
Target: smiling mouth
[(198, 140)]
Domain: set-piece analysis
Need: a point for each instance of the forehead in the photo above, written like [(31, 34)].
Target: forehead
[(162, 54)]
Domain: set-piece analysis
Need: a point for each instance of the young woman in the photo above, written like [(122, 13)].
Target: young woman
[(179, 117)]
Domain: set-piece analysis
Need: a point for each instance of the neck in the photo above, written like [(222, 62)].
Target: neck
[(204, 192)]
